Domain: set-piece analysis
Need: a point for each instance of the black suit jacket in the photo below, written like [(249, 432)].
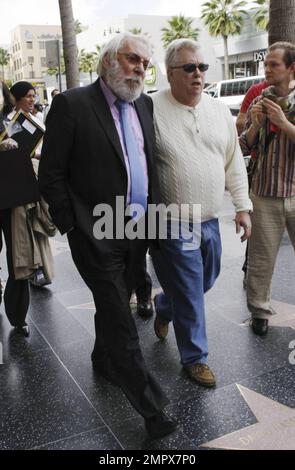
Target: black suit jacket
[(82, 162), (18, 183)]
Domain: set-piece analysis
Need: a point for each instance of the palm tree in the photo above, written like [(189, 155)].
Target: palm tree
[(88, 62), (78, 27), (281, 21), (135, 30), (69, 43), (261, 15), (4, 59), (224, 18), (54, 70), (180, 27)]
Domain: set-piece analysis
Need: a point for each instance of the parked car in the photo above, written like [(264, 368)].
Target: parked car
[(232, 92)]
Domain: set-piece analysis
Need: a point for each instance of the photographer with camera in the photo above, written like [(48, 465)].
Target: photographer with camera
[(270, 131)]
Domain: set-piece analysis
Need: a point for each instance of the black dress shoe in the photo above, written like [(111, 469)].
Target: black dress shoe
[(23, 330), (159, 425), (145, 309), (260, 326)]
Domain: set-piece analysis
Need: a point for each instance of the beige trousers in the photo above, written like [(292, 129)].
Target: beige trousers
[(271, 216)]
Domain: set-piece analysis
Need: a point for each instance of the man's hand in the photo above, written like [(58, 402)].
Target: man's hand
[(8, 144), (274, 113), (258, 115), (242, 219)]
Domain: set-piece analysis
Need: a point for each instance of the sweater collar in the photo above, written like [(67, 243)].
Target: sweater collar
[(180, 105)]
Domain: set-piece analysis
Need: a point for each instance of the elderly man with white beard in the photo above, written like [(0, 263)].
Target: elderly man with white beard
[(98, 146)]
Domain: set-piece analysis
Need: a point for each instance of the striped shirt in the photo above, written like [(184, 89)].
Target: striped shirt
[(274, 175)]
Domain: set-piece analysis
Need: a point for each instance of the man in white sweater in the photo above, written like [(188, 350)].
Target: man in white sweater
[(197, 156)]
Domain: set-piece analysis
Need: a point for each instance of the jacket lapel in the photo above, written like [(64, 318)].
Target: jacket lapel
[(103, 113)]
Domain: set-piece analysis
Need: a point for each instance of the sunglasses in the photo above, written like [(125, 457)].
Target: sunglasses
[(135, 59), (189, 68)]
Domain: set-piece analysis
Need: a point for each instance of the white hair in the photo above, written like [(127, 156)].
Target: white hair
[(115, 44), (178, 45)]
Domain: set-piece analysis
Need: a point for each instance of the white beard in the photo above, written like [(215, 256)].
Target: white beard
[(127, 88)]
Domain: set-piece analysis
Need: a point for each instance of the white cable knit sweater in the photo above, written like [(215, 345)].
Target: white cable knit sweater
[(198, 155)]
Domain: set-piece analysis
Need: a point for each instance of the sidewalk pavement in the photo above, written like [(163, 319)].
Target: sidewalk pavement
[(52, 400)]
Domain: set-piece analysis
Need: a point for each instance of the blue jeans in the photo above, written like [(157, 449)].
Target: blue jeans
[(185, 275)]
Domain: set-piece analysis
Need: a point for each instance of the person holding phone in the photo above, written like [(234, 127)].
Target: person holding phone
[(270, 131)]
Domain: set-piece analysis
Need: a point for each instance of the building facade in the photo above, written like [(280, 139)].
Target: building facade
[(103, 29), (28, 53), (246, 51)]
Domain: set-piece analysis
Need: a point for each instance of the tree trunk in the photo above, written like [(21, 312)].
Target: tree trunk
[(281, 21), (69, 43), (226, 68)]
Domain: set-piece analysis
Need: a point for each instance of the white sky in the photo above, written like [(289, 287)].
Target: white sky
[(15, 12)]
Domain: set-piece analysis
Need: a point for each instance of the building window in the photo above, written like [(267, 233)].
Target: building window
[(30, 59), (43, 62), (41, 44), (32, 74), (29, 44), (243, 69)]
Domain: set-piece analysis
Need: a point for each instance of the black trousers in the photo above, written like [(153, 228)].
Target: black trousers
[(16, 294), (143, 282), (117, 342)]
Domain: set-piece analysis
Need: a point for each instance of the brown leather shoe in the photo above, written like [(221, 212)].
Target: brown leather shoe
[(161, 328), (201, 373)]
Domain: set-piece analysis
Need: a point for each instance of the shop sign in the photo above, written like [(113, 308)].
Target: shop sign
[(151, 75), (259, 56)]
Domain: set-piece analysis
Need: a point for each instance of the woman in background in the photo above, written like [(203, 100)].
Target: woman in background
[(16, 294), (25, 95)]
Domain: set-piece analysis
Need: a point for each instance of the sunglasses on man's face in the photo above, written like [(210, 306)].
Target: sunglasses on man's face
[(135, 59), (189, 68)]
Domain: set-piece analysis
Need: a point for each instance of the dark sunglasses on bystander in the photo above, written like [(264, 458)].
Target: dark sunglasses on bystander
[(189, 68)]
